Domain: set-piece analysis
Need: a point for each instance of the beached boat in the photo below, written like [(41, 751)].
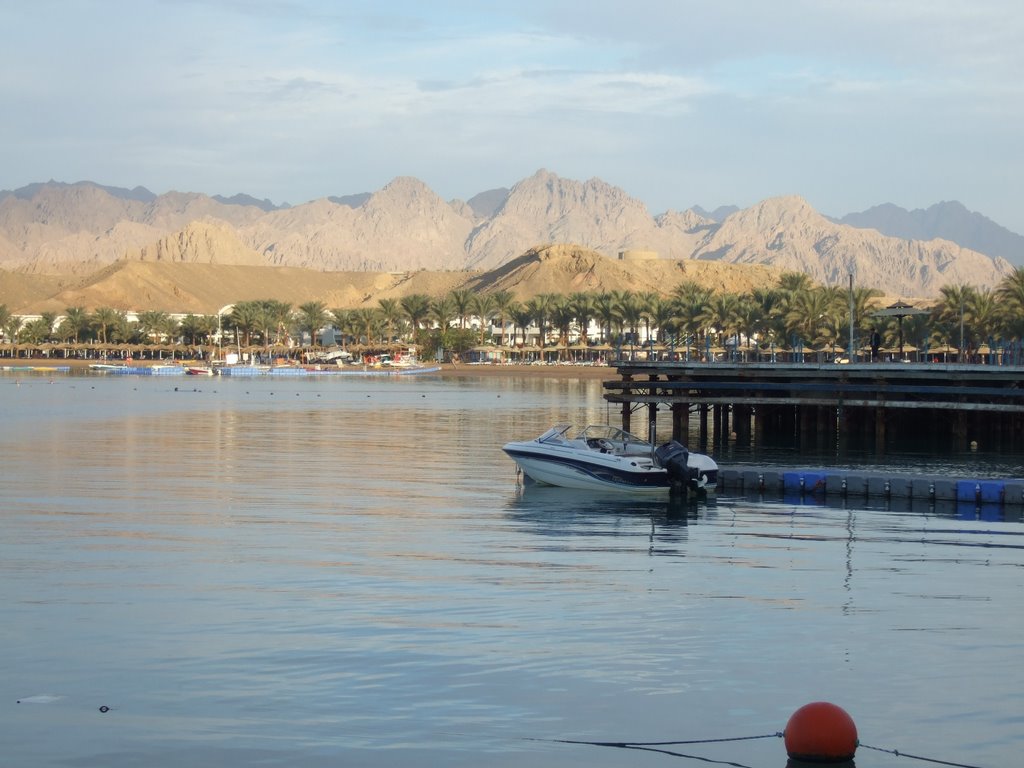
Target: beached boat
[(602, 457)]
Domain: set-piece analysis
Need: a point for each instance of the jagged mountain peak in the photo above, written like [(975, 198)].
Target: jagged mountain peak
[(69, 229), (776, 212)]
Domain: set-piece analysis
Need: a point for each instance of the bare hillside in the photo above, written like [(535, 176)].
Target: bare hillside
[(202, 288)]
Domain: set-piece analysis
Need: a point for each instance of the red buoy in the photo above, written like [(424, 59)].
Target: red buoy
[(821, 733)]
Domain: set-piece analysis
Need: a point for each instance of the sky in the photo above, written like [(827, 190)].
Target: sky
[(720, 102)]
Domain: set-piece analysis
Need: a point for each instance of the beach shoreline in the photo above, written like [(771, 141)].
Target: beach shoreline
[(452, 370)]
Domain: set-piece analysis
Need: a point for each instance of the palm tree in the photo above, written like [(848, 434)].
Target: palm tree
[(342, 320), (749, 317), (482, 305), (522, 316), (606, 309), (75, 323), (5, 317), (103, 319), (582, 305), (631, 312), (805, 317), (503, 303), (151, 325), (312, 316), (795, 282), (416, 307), (690, 299), (720, 314), (562, 317), (461, 299), (277, 317), (647, 301), (952, 313), (771, 308), (663, 318), (540, 306), (985, 315), (390, 315), (170, 329), (193, 327), (122, 330), (36, 331), (363, 318), (442, 313), (1010, 293), (245, 318)]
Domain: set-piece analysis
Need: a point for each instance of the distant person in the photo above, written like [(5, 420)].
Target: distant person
[(876, 342)]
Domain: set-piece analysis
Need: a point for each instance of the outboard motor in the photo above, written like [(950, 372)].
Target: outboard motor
[(674, 458)]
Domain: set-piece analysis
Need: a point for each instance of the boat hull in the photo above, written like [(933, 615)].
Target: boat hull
[(570, 471)]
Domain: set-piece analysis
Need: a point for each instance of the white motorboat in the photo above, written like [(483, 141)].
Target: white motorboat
[(605, 457)]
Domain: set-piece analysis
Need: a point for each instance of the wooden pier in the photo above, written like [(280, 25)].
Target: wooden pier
[(820, 406)]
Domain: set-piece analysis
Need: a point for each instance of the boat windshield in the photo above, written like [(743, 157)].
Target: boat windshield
[(614, 434)]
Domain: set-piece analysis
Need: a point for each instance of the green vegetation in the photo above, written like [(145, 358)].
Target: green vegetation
[(792, 313)]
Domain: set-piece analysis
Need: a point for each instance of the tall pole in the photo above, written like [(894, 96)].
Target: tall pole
[(851, 352), (960, 355)]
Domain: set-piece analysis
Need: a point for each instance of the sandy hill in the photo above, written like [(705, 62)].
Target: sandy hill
[(181, 286)]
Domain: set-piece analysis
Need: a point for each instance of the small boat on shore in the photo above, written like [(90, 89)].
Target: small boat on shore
[(602, 457)]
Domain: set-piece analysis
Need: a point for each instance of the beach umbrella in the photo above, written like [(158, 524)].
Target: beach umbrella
[(899, 310)]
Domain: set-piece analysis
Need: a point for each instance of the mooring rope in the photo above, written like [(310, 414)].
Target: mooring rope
[(918, 757), (656, 746), (777, 734)]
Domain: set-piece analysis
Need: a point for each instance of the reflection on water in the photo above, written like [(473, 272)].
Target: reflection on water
[(348, 572)]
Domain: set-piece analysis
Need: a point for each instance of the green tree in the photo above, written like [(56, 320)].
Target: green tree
[(417, 308), (460, 300), (953, 314), (503, 303), (540, 308), (390, 314), (607, 311), (364, 319), (103, 319), (36, 331), (522, 316), (562, 320), (582, 306), (805, 317), (482, 306), (151, 325), (76, 322), (311, 317)]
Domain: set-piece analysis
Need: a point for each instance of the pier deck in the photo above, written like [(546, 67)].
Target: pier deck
[(817, 403)]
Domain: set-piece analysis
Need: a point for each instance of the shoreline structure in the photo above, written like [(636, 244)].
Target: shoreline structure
[(452, 370)]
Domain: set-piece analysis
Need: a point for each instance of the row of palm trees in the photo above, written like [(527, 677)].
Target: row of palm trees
[(792, 312)]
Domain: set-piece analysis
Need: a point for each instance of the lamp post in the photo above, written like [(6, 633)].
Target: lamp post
[(960, 355), (850, 351)]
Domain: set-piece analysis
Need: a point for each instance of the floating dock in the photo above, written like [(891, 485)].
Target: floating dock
[(859, 485)]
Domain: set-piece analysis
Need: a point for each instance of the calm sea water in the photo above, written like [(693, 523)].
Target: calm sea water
[(333, 571)]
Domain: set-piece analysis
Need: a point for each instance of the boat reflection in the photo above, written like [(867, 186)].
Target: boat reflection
[(571, 511)]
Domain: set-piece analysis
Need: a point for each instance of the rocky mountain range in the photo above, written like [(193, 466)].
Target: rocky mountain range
[(57, 229)]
